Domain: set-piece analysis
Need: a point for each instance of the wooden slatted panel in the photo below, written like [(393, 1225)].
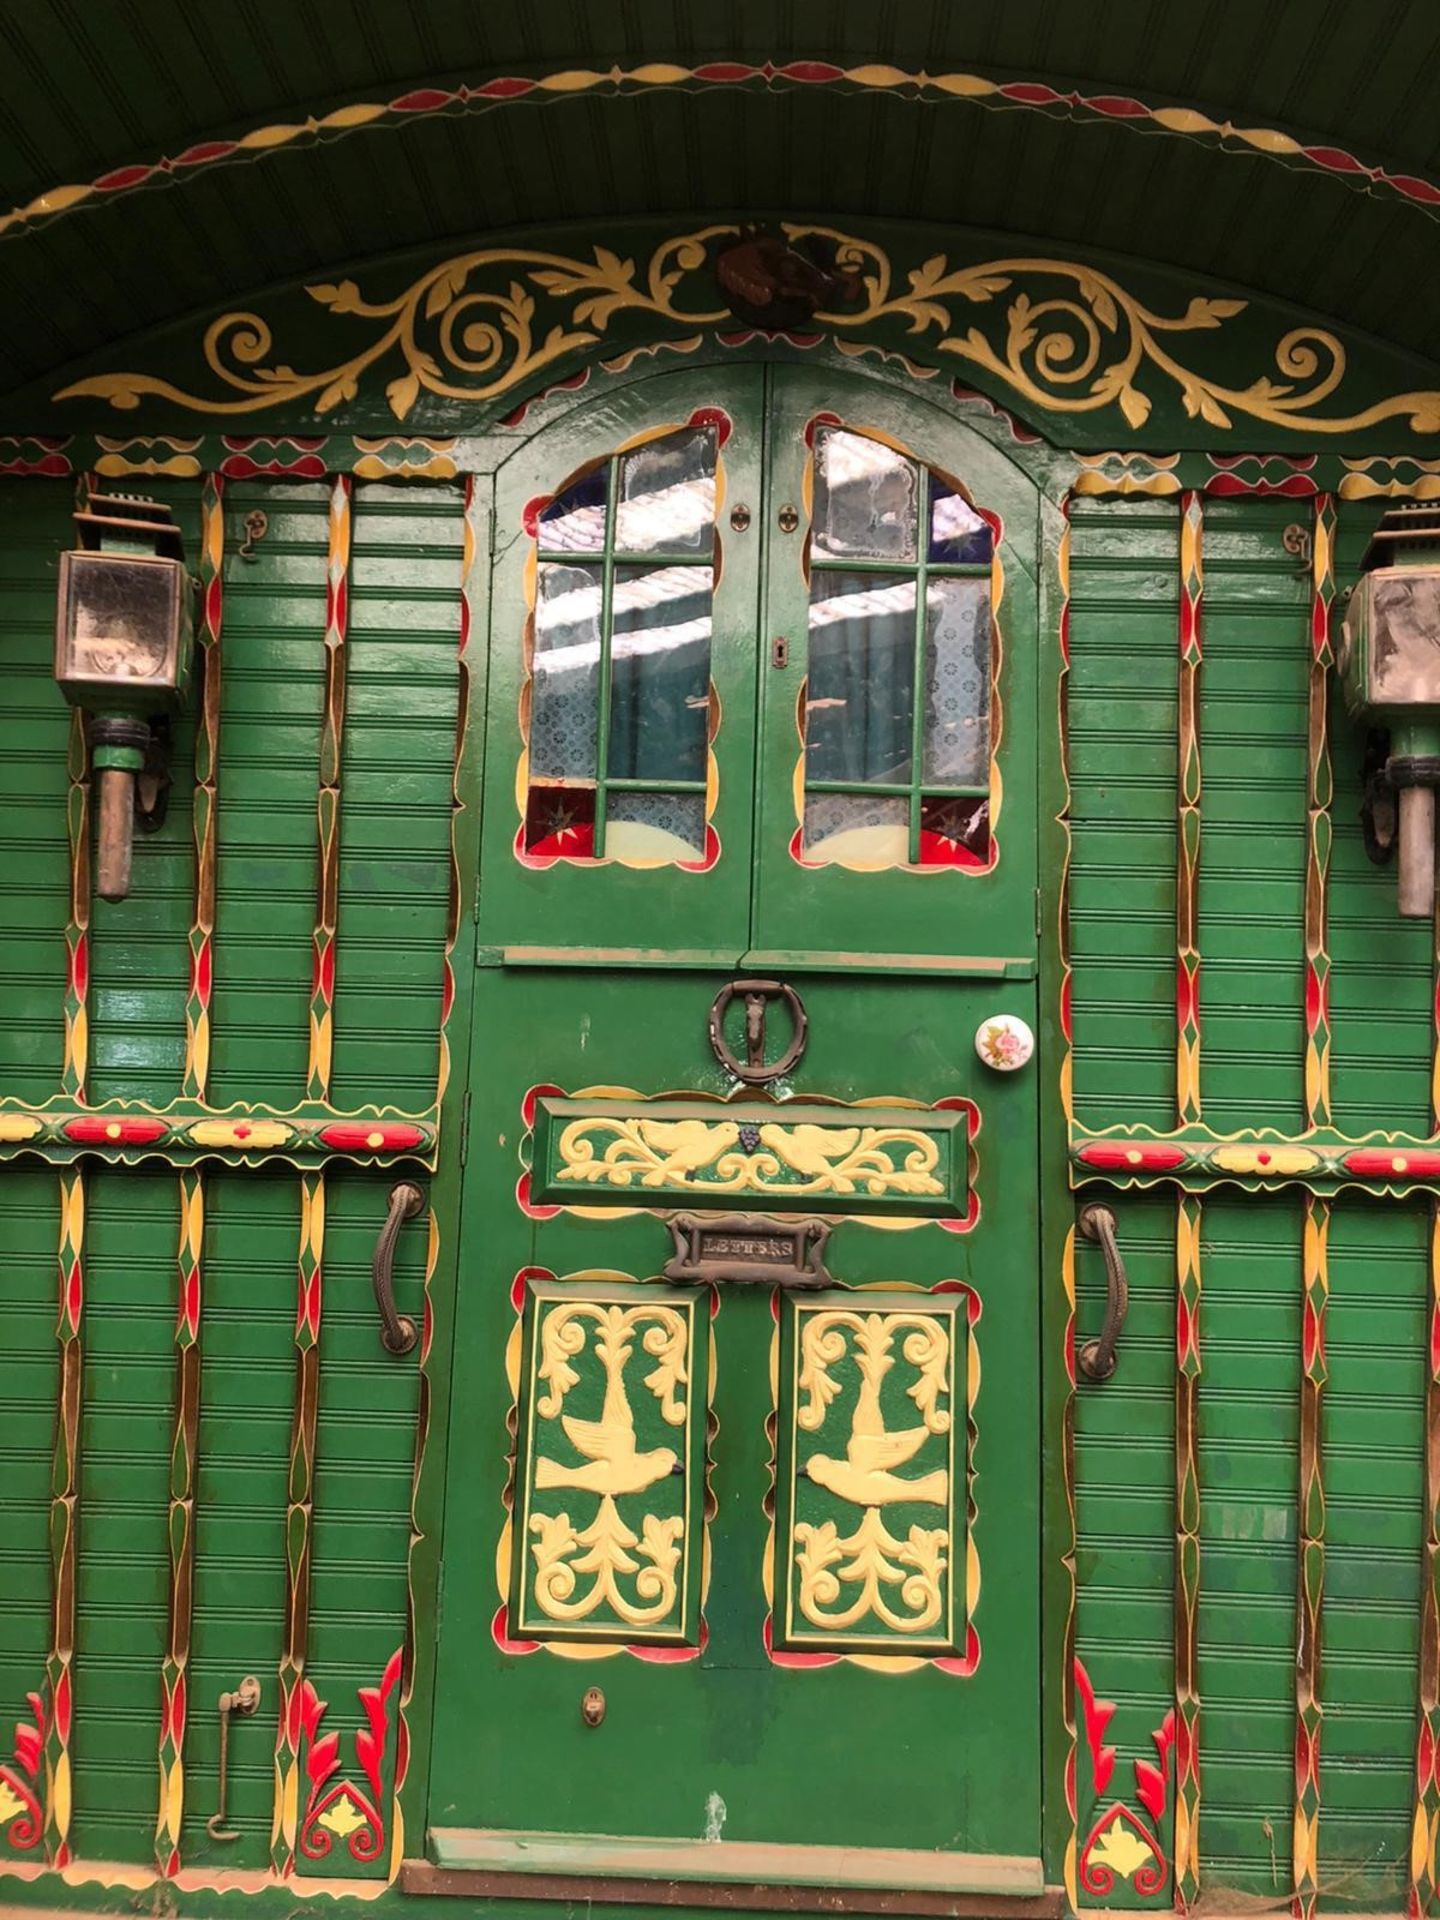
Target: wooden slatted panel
[(1252, 874), (1249, 1427), (247, 1387), (123, 1559), (1125, 1512), (34, 862), (365, 1451), (1374, 1426), (27, 1438), (1380, 981), (139, 962), (395, 821), (1124, 570), (269, 759)]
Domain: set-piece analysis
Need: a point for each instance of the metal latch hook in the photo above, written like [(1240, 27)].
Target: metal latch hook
[(244, 1700)]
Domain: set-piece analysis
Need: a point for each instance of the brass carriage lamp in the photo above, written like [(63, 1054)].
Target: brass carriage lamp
[(123, 642), (1389, 665)]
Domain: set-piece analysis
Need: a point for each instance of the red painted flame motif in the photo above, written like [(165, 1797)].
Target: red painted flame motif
[(341, 1809), (1120, 1845), (26, 1823)]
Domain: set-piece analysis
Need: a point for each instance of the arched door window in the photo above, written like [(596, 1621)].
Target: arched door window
[(618, 710), (900, 713)]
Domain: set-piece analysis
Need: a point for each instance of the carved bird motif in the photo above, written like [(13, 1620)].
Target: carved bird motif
[(614, 1464), (864, 1476), (689, 1145), (809, 1149)]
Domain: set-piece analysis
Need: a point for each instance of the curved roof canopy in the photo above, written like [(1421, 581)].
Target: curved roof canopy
[(162, 158)]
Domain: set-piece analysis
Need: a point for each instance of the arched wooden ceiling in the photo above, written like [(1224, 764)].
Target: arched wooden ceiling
[(161, 157)]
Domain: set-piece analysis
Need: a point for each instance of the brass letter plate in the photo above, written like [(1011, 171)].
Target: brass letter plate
[(738, 1247)]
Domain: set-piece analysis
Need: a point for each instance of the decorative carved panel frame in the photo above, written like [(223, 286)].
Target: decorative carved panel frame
[(609, 1485)]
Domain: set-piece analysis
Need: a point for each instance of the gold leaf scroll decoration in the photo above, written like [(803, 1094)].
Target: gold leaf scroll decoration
[(1062, 335), (1083, 346), (900, 1581), (581, 1568), (798, 1159), (456, 340)]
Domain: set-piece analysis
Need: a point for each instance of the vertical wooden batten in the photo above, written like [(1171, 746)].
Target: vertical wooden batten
[(1188, 1214), (77, 925), (174, 1691), (64, 1518), (301, 1491), (1315, 1279), (1310, 1571), (1425, 1832), (1069, 1546), (1318, 825), (69, 1322)]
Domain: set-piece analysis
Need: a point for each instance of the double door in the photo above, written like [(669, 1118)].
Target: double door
[(741, 1554)]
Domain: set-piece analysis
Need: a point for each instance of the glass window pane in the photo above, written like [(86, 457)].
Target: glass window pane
[(667, 495), (860, 694), (560, 822), (957, 682), (574, 521), (565, 673), (862, 829), (954, 832), (659, 673), (958, 536), (655, 826), (865, 498)]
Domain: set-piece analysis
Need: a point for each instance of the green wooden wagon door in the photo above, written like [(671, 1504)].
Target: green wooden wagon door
[(741, 1576)]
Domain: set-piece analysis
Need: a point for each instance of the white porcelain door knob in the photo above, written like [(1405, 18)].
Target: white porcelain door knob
[(1004, 1042)]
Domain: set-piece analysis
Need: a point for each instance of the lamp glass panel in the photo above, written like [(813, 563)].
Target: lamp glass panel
[(122, 621), (1405, 639)]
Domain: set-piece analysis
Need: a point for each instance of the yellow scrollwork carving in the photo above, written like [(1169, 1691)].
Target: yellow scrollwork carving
[(801, 1158), (876, 1560), (456, 341), (1081, 349), (1063, 335), (633, 1574), (872, 1558), (606, 1543)]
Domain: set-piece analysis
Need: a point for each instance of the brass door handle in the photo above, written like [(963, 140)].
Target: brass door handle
[(244, 1700), (1096, 1359), (398, 1332)]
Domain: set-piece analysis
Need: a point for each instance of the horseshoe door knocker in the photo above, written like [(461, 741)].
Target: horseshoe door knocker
[(754, 1070)]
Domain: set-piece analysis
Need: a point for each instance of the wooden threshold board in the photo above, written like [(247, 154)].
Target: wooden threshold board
[(751, 1863)]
